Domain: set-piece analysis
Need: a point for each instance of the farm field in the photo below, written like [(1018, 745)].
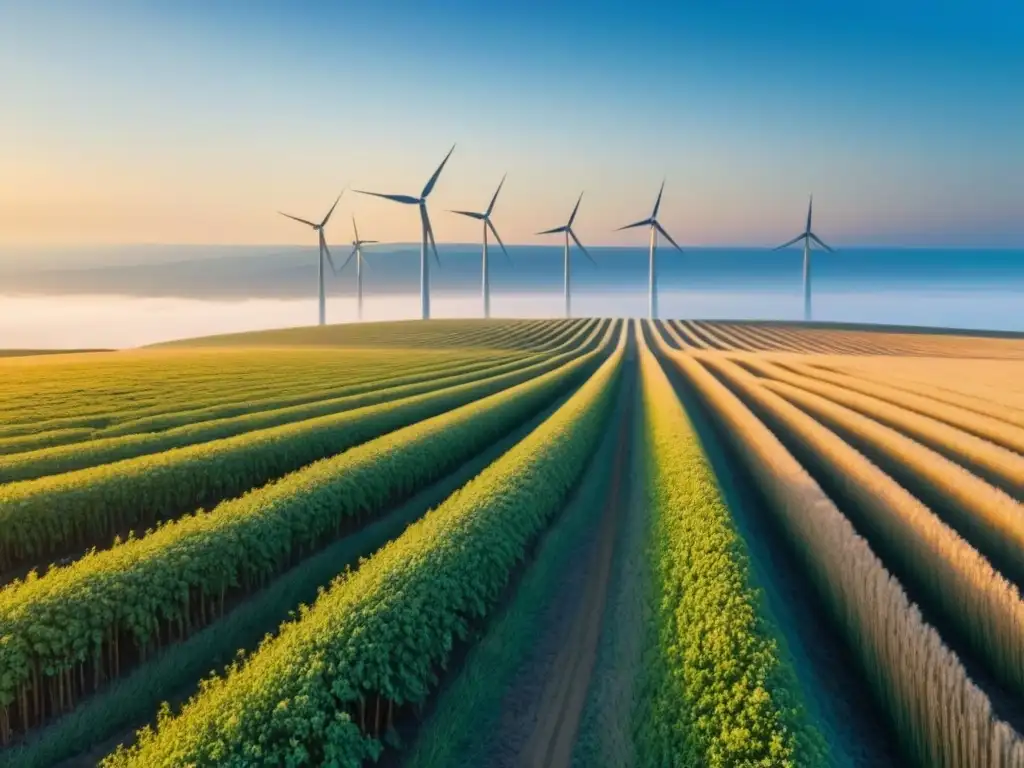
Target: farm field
[(584, 542)]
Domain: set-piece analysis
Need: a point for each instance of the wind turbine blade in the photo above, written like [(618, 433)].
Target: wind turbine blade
[(497, 237), (818, 240), (407, 199), (657, 203), (580, 246), (478, 216), (554, 231), (328, 216), (644, 223), (330, 260), (296, 218), (433, 179), (364, 242), (796, 239), (667, 236), (810, 205), (493, 199), (355, 230), (430, 232), (574, 211), (348, 260)]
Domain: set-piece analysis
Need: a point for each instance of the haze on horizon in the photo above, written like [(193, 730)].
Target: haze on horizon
[(194, 122)]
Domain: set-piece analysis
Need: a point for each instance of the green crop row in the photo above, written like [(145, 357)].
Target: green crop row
[(165, 419), (106, 412), (324, 691), (57, 514), (716, 690), (289, 396), (177, 670), (93, 453), (161, 587)]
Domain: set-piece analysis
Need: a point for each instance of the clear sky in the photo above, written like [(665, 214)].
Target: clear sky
[(193, 121)]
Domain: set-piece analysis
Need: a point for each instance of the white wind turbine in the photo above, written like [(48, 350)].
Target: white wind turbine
[(357, 252), (807, 236), (428, 232), (485, 217), (567, 229), (324, 250), (652, 222)]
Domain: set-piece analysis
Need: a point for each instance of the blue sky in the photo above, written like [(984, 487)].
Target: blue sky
[(192, 122)]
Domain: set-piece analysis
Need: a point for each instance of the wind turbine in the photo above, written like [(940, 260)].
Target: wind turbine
[(485, 217), (428, 232), (807, 236), (357, 251), (567, 229), (652, 222), (324, 250)]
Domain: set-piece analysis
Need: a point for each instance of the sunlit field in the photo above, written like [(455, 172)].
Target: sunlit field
[(585, 542)]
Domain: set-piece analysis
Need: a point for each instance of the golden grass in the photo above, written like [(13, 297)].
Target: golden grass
[(994, 430), (942, 718), (980, 456), (985, 380), (969, 590), (925, 386)]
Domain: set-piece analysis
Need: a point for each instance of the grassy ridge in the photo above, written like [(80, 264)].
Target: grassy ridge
[(324, 690), (55, 514), (716, 691)]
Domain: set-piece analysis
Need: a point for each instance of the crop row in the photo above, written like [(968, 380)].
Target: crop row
[(167, 415), (714, 670), (917, 544), (71, 623), (992, 429), (376, 641), (92, 453), (130, 410), (941, 717), (409, 335), (405, 375), (186, 409), (66, 513), (101, 401), (998, 465)]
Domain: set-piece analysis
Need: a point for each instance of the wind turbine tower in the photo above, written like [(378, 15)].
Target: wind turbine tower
[(357, 252), (567, 230), (807, 236), (428, 232), (652, 222), (324, 250), (485, 217)]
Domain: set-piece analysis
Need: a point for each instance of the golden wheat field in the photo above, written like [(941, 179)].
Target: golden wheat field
[(587, 542)]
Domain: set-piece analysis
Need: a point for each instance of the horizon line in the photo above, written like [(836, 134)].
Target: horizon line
[(477, 245)]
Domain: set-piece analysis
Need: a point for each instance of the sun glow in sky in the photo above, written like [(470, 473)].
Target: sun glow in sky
[(193, 122)]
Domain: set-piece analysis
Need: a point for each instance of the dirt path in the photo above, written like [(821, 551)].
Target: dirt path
[(551, 741)]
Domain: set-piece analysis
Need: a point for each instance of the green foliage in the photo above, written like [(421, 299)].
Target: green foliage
[(53, 514), (125, 445), (383, 634), (132, 700), (716, 692), (70, 616)]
